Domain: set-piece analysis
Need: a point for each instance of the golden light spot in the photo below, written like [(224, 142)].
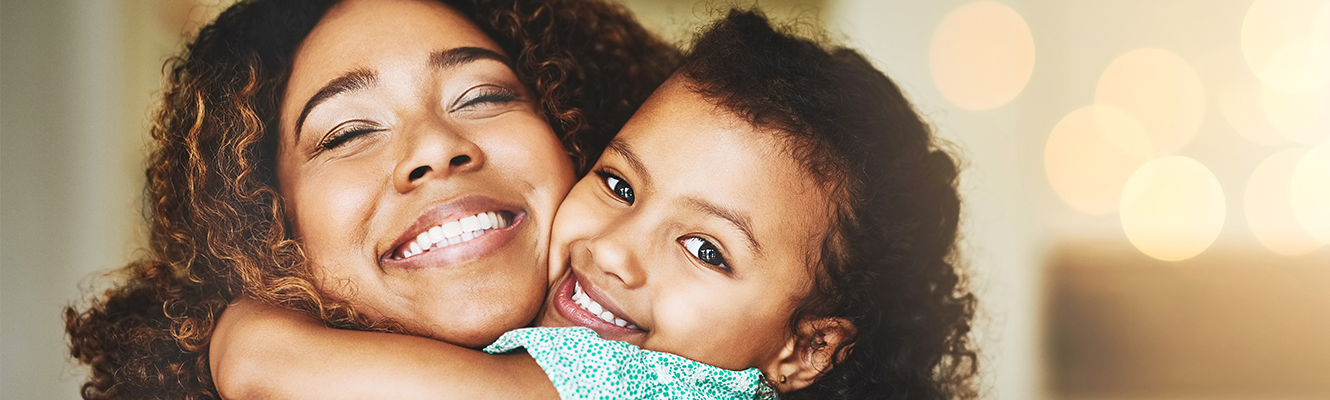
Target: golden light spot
[(1311, 192), (1269, 207), (1237, 92), (1287, 43), (981, 55), (1302, 117), (1172, 208), (1242, 107), (1091, 153), (1161, 90)]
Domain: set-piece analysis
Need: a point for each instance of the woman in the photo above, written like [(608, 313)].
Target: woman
[(220, 227)]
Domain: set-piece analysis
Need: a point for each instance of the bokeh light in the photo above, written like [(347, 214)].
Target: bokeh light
[(1172, 208), (1287, 43), (1161, 90), (981, 55), (1091, 153), (1310, 192), (1237, 92), (1302, 117), (1269, 207)]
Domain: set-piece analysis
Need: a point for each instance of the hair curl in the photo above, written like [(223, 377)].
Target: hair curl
[(216, 221), (887, 265)]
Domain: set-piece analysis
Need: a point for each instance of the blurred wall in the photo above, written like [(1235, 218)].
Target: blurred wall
[(77, 79), (65, 210)]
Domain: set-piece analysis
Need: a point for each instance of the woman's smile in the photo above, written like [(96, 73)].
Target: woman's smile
[(418, 173), (455, 232)]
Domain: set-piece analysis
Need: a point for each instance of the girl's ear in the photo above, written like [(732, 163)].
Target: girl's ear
[(808, 355)]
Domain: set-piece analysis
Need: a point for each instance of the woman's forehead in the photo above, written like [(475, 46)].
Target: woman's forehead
[(369, 36)]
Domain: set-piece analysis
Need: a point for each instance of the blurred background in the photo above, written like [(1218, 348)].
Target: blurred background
[(1147, 183)]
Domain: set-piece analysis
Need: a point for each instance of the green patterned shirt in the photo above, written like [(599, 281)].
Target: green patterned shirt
[(582, 365)]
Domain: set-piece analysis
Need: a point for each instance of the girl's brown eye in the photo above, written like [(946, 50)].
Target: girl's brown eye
[(706, 251), (618, 186)]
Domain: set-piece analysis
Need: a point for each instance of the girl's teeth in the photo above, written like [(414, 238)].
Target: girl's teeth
[(581, 299)]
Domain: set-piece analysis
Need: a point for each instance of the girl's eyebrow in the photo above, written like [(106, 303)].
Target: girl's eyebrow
[(354, 80), (623, 149), (736, 217)]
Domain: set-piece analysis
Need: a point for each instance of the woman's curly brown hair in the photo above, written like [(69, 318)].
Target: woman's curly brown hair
[(888, 265), (216, 221)]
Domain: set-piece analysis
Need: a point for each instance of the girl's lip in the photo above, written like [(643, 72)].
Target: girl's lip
[(460, 253), (564, 304)]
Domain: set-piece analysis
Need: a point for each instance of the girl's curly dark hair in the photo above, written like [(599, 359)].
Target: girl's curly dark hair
[(216, 221), (888, 264)]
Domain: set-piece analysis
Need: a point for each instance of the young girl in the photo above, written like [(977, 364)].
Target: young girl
[(776, 218)]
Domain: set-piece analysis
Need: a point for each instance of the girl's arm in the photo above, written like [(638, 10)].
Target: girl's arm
[(263, 351)]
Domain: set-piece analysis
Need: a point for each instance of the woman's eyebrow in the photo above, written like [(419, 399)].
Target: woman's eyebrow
[(453, 57), (354, 80)]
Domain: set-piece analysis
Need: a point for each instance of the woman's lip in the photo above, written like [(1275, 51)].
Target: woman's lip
[(448, 212), (492, 240), (564, 304)]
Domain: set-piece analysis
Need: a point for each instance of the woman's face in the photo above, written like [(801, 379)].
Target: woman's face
[(417, 172), (693, 236)]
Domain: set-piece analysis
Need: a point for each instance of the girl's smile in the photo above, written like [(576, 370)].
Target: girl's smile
[(696, 234), (587, 305)]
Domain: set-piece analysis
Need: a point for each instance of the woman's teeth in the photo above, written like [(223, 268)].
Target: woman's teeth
[(593, 307), (451, 233)]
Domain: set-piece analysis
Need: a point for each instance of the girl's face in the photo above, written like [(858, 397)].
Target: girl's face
[(417, 172), (693, 235)]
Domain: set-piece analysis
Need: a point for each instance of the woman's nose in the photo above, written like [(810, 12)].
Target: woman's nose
[(435, 154)]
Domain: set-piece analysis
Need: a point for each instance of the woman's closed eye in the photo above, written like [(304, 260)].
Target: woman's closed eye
[(345, 133), (482, 96), (705, 251), (620, 188)]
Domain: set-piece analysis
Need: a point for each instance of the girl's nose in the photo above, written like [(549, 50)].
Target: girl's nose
[(435, 154), (614, 254)]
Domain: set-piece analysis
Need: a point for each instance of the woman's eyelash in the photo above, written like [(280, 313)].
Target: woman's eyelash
[(343, 135), (619, 187), (489, 95), (706, 252)]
